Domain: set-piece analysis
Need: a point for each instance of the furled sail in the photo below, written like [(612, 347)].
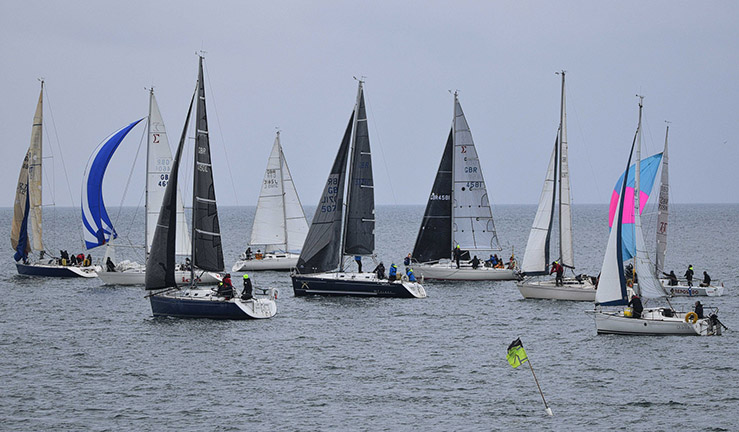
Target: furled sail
[(536, 258), (159, 163), (359, 234), (207, 248), (473, 227), (97, 226), (322, 251), (663, 212), (160, 266), (435, 236), (296, 226)]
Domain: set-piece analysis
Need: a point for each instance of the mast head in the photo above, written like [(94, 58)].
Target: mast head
[(41, 80), (641, 100)]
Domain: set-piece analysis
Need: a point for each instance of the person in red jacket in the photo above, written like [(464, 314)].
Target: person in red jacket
[(557, 268)]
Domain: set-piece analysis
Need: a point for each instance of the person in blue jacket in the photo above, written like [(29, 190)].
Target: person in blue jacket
[(393, 273)]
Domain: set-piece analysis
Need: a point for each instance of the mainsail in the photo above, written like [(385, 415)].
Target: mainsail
[(435, 235), (28, 194), (158, 165), (97, 226), (472, 218), (321, 251), (160, 266), (359, 229), (207, 250), (663, 212), (567, 254)]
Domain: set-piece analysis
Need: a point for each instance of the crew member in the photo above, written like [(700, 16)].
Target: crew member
[(246, 294)]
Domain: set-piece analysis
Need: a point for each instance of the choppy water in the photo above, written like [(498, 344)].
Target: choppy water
[(75, 355)]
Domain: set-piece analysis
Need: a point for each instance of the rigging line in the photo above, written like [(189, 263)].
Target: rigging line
[(220, 131), (130, 175), (594, 177), (382, 150)]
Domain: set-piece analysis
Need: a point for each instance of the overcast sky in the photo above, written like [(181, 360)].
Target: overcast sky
[(290, 65)]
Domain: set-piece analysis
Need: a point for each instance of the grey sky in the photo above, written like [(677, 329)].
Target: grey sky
[(290, 64)]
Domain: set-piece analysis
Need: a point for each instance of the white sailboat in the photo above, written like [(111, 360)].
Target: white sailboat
[(458, 219), (678, 287), (26, 234), (158, 165), (613, 287), (536, 258), (279, 228)]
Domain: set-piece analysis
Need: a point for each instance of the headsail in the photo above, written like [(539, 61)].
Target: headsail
[(359, 231), (28, 195), (207, 253), (663, 212), (269, 220), (159, 163), (160, 266), (97, 226), (472, 218), (435, 235), (321, 251)]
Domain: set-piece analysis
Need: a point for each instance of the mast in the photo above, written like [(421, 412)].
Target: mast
[(351, 169), (282, 189), (637, 179), (454, 177), (146, 186), (566, 251)]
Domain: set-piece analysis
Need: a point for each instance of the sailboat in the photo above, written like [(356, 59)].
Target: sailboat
[(26, 234), (458, 214), (192, 301), (97, 227), (536, 258), (279, 228), (336, 232), (681, 289), (613, 286)]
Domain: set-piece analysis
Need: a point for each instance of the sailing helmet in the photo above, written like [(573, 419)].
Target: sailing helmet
[(246, 276)]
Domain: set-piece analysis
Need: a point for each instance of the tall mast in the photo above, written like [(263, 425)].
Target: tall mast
[(351, 164), (637, 175), (282, 189), (454, 158), (146, 187)]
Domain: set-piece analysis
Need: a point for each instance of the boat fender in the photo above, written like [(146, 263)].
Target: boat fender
[(691, 317), (404, 278)]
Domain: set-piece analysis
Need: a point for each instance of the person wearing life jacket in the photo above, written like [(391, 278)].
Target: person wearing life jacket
[(457, 254), (407, 260), (559, 270), (246, 294), (636, 306), (409, 273), (689, 275), (225, 287), (393, 272)]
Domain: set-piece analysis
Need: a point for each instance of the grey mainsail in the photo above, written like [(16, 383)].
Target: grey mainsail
[(663, 212), (321, 250), (359, 230), (435, 235), (160, 266), (207, 250)]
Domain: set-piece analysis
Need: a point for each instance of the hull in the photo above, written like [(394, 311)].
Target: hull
[(449, 271), (138, 277), (199, 303), (53, 270), (654, 322), (354, 284), (546, 289), (269, 262), (681, 290)]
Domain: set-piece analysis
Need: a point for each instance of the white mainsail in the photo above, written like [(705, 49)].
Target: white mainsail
[(279, 222), (537, 246), (565, 210), (472, 218), (663, 212), (159, 163)]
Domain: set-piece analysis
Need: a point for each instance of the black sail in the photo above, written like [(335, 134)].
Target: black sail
[(160, 265), (359, 234), (322, 248), (435, 235), (207, 253)]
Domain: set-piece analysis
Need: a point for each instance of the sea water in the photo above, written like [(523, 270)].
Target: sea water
[(76, 355)]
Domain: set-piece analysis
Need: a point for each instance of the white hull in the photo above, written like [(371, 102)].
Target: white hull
[(547, 289), (449, 271), (138, 277), (271, 261), (653, 322), (681, 290)]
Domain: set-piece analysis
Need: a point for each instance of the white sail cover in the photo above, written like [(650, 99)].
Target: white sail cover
[(159, 163), (537, 247), (663, 212), (472, 218), (565, 209), (296, 226), (269, 221)]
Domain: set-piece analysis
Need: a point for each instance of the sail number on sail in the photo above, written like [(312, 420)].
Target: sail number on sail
[(328, 202)]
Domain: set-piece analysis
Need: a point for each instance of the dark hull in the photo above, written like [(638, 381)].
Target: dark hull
[(46, 271), (304, 285), (163, 305)]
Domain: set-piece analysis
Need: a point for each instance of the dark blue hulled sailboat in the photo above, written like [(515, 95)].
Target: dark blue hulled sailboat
[(207, 251), (335, 234)]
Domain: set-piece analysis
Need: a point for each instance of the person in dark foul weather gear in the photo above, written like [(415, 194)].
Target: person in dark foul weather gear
[(689, 275), (636, 305), (246, 294), (380, 271)]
